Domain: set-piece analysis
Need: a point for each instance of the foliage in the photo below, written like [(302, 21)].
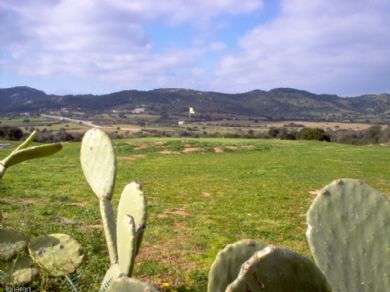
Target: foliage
[(313, 134), (11, 133)]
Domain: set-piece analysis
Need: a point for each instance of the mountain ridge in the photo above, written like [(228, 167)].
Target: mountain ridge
[(277, 103)]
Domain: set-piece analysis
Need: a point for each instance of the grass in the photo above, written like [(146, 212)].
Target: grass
[(198, 201)]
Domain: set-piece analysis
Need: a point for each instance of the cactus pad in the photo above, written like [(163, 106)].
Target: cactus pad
[(98, 162), (112, 273), (58, 254), (30, 153), (228, 262), (349, 236), (126, 244), (278, 269), (12, 242), (133, 203), (124, 284), (18, 271)]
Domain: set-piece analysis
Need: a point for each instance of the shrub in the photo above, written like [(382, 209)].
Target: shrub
[(11, 133), (313, 134)]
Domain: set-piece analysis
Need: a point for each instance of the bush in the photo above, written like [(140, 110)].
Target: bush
[(313, 134), (11, 133)]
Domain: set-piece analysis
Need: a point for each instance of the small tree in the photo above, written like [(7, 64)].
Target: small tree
[(313, 134)]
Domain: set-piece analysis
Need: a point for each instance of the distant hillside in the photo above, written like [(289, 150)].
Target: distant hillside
[(280, 103)]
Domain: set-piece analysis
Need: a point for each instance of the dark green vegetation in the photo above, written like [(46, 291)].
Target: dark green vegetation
[(202, 193), (276, 104)]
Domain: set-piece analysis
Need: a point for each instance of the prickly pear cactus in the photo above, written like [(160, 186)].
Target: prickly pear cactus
[(58, 254), (124, 236), (126, 244), (98, 162), (23, 153), (18, 271), (112, 273), (12, 242), (133, 203), (276, 269), (228, 263), (124, 284), (349, 236)]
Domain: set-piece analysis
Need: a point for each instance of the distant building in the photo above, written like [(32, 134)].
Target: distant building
[(138, 110)]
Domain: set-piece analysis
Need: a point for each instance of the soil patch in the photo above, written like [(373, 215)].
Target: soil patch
[(218, 150), (131, 157), (176, 212), (191, 149), (169, 152)]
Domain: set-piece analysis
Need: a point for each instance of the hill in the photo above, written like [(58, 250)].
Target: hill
[(276, 104)]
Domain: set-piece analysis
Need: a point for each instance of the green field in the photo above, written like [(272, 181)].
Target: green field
[(202, 194)]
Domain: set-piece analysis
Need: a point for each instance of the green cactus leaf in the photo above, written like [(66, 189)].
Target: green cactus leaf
[(278, 270), (20, 270), (349, 236), (124, 284), (126, 244), (98, 162), (31, 153), (228, 262), (112, 273), (26, 142), (12, 242), (58, 254), (109, 226), (133, 203)]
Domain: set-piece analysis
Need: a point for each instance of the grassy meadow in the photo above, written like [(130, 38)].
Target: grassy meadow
[(202, 194)]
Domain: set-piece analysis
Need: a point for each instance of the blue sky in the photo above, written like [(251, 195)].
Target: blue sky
[(101, 46)]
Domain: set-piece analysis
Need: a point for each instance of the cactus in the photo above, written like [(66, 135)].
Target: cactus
[(125, 284), (20, 270), (12, 242), (133, 202), (58, 254), (98, 162), (278, 269), (124, 237), (349, 236), (23, 153), (228, 262), (126, 244), (112, 273)]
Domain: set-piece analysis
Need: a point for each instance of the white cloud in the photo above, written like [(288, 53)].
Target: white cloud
[(324, 46), (104, 39)]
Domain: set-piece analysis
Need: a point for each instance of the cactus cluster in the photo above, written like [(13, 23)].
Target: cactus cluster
[(349, 236), (123, 235), (20, 257)]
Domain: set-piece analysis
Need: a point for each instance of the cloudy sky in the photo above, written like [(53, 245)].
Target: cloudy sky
[(100, 46)]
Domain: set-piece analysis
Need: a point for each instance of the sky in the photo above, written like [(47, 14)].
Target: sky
[(100, 46)]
